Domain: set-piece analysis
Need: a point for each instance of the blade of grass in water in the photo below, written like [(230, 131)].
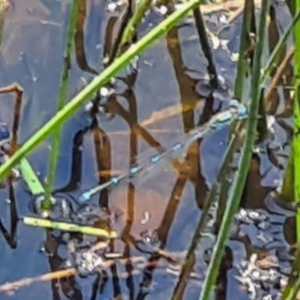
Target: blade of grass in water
[(204, 42), (291, 182), (242, 66), (243, 62), (29, 176), (68, 110), (63, 93), (244, 163), (69, 227), (292, 289), (273, 59), (291, 185), (209, 201), (291, 5), (134, 22)]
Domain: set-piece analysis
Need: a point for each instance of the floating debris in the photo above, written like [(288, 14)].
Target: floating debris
[(115, 5), (146, 217), (59, 209), (261, 277), (252, 216), (87, 262)]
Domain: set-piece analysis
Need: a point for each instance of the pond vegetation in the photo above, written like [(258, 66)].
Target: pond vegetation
[(177, 126)]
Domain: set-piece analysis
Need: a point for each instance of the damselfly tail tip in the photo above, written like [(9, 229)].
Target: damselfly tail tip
[(84, 197)]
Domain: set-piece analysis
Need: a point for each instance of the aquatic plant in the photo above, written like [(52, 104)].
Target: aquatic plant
[(244, 163), (291, 184), (250, 58)]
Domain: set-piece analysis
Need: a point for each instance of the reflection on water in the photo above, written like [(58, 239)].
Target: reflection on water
[(161, 211)]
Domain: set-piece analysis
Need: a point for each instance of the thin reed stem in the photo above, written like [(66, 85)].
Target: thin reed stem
[(63, 93), (244, 44), (200, 26), (244, 163), (132, 26)]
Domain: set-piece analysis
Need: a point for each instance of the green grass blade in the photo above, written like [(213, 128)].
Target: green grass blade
[(296, 125), (134, 22), (68, 110), (31, 179), (273, 59), (69, 227), (291, 6), (296, 146), (210, 200), (291, 182), (63, 94), (293, 285), (244, 163), (204, 42), (244, 44)]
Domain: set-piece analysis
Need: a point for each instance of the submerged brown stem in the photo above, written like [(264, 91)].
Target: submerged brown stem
[(276, 78), (139, 261), (18, 90), (10, 286)]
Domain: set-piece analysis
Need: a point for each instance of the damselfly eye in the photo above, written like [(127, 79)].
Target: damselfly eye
[(240, 107), (234, 103), (242, 111)]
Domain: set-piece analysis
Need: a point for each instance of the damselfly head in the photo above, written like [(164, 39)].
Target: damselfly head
[(242, 111), (240, 107), (233, 103)]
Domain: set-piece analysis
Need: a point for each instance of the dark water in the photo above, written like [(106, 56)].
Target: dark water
[(170, 74)]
